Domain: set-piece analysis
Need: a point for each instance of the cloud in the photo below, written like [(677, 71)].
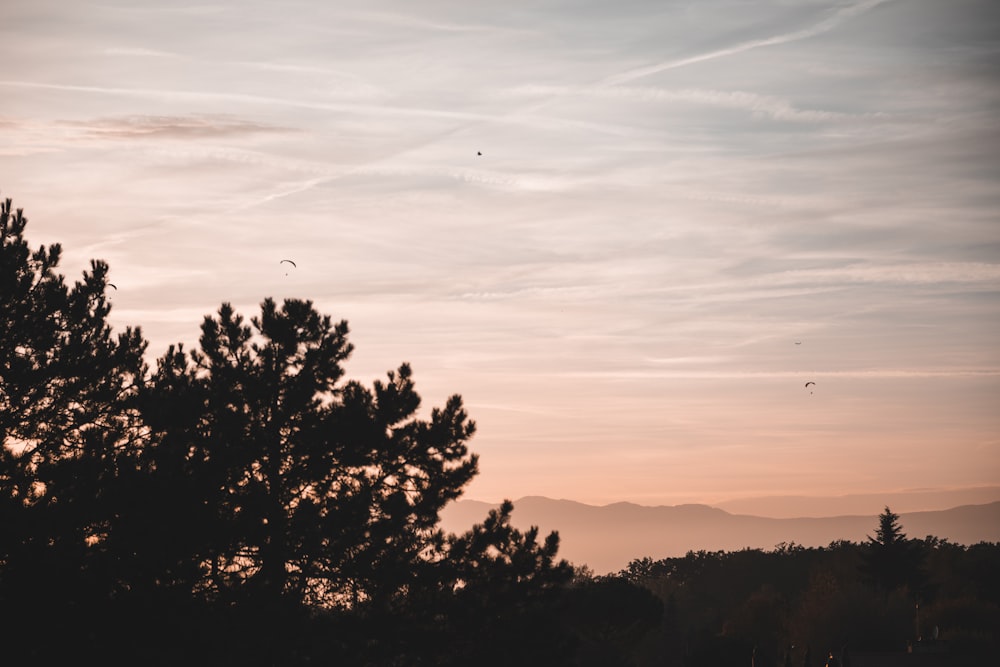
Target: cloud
[(868, 373), (517, 117), (690, 360), (24, 137), (808, 284), (197, 152), (827, 24), (768, 106), (188, 95), (334, 83), (775, 108), (131, 52), (410, 21), (904, 273), (766, 285), (192, 126)]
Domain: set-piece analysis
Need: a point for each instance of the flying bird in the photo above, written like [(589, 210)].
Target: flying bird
[(479, 153), (798, 342)]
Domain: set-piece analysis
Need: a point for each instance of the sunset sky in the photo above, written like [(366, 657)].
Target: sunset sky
[(683, 212)]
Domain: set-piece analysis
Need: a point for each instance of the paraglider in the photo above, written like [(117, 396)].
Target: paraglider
[(113, 285), (290, 262), (810, 383)]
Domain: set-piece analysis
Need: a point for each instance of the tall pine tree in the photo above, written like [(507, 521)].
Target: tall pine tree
[(243, 500), (890, 559), (317, 491), (68, 425)]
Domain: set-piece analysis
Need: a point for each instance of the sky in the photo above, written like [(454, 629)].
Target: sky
[(627, 233)]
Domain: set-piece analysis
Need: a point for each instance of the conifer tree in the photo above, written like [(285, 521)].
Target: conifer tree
[(890, 559), (318, 491), (241, 499), (65, 378), (67, 426), (496, 598)]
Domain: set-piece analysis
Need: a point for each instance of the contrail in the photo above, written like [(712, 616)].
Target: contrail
[(346, 107), (825, 25), (466, 120)]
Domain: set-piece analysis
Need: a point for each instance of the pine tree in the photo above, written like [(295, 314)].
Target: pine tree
[(242, 501), (496, 598), (318, 491), (67, 425), (890, 559)]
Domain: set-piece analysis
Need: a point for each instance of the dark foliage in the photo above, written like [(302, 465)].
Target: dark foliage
[(68, 424), (796, 605), (890, 560), (242, 503), (610, 616)]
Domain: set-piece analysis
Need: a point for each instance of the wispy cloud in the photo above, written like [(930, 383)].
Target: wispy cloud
[(829, 23), (864, 373), (514, 117), (765, 106), (904, 273), (137, 52), (193, 127), (689, 360), (419, 22), (666, 192)]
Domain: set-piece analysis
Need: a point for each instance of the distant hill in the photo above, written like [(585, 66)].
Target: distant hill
[(607, 538), (916, 500)]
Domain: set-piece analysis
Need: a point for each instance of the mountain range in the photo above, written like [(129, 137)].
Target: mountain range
[(606, 538), (910, 500)]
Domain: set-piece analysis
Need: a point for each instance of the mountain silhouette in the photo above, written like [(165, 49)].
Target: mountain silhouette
[(606, 538)]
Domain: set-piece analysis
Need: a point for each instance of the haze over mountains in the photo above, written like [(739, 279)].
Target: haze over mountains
[(912, 500), (606, 538)]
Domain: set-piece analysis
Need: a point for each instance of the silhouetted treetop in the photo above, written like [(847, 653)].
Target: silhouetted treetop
[(891, 559), (68, 428), (327, 492), (65, 381), (242, 501), (59, 364), (889, 531)]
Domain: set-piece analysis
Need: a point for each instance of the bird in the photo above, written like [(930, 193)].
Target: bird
[(479, 152), (798, 342)]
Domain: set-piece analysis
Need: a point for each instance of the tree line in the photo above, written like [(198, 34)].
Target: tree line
[(816, 606), (245, 502)]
